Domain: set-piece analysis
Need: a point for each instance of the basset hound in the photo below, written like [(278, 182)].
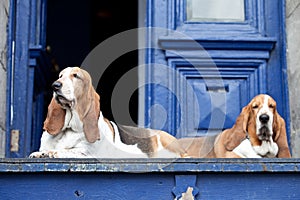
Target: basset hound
[(76, 128), (259, 132)]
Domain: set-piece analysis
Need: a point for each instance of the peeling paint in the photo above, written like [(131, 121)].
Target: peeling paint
[(144, 165)]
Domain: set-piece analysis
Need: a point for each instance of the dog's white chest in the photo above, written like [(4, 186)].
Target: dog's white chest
[(267, 149), (245, 150)]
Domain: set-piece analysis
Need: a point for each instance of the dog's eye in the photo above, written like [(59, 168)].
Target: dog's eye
[(255, 106), (271, 106), (75, 76), (60, 76)]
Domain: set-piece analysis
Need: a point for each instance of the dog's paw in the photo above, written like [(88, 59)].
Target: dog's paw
[(43, 154), (39, 154)]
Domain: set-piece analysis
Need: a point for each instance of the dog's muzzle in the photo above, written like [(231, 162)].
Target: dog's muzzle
[(264, 134), (264, 131), (59, 97)]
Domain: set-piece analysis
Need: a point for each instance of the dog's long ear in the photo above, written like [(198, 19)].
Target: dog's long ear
[(55, 118), (88, 107), (235, 135), (280, 138), (90, 119), (278, 126)]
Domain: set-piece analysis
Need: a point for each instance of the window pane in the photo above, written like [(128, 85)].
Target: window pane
[(215, 10)]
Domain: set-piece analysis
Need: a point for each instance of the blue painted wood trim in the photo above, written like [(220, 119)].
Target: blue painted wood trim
[(26, 52), (266, 44), (151, 165), (215, 54), (38, 23), (183, 182), (10, 66), (147, 186), (148, 61), (19, 77), (253, 25)]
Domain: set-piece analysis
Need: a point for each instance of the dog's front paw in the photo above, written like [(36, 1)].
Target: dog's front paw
[(43, 154), (39, 154)]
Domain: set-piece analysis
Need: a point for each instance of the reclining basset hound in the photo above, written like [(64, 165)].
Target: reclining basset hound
[(259, 131), (76, 128)]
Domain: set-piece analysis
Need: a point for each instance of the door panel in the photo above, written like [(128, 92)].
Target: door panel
[(218, 93)]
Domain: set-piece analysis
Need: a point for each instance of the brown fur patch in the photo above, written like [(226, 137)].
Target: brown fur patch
[(55, 118), (87, 104), (171, 143), (143, 137), (199, 147)]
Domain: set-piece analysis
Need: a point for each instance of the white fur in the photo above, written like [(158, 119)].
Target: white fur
[(267, 149), (265, 110), (72, 143), (245, 150), (67, 88)]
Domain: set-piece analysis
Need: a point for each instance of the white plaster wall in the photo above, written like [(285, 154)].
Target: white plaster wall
[(293, 58), (3, 47)]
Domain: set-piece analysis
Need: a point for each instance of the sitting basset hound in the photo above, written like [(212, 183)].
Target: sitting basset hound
[(76, 128), (259, 132)]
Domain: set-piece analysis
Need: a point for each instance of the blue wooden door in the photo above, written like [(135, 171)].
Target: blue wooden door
[(29, 73), (207, 59)]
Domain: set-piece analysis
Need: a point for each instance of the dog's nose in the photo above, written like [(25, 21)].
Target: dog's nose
[(264, 118), (56, 85)]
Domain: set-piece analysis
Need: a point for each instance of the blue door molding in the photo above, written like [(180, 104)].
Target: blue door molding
[(28, 63), (249, 58)]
